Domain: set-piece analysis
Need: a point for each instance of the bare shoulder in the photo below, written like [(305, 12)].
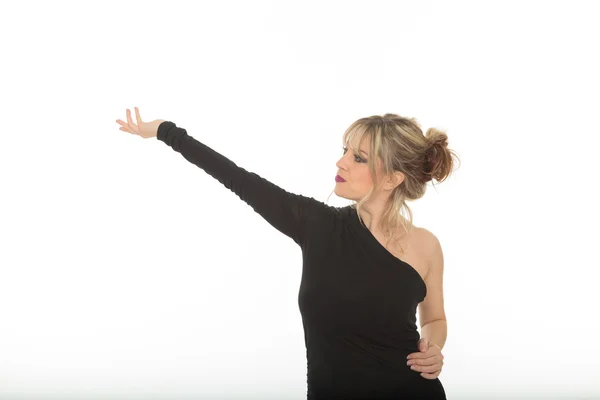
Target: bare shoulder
[(429, 239), (424, 238), (430, 247)]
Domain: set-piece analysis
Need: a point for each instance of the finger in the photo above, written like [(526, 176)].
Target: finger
[(423, 361), (421, 356), (415, 355), (137, 116), (130, 123), (124, 127), (426, 368), (431, 350), (432, 375), (125, 130)]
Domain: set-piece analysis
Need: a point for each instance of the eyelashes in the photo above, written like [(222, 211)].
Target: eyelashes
[(356, 158)]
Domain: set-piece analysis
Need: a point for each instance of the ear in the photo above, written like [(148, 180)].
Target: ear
[(399, 178), (396, 179)]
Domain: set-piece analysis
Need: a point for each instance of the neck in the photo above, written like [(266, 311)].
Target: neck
[(372, 220), (371, 216)]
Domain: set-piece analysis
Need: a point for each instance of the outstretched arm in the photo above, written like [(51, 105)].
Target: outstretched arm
[(288, 212)]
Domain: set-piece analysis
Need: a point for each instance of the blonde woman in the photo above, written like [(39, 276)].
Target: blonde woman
[(366, 268)]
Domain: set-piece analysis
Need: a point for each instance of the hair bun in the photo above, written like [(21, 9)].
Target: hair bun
[(434, 154), (437, 138)]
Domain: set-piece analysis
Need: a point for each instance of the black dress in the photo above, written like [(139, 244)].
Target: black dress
[(357, 300)]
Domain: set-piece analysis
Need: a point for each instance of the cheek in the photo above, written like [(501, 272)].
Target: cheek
[(365, 179)]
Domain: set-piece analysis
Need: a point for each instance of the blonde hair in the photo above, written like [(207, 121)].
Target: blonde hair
[(399, 143)]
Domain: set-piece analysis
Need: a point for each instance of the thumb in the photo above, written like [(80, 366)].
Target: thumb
[(423, 345)]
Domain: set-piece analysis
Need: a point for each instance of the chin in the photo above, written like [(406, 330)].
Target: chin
[(337, 192)]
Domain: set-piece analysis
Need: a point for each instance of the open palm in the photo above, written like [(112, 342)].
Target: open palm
[(143, 129)]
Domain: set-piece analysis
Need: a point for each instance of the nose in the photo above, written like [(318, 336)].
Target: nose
[(342, 163)]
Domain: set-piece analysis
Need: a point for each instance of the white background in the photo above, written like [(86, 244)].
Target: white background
[(128, 272)]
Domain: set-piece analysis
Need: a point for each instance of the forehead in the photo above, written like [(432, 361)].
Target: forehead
[(357, 139)]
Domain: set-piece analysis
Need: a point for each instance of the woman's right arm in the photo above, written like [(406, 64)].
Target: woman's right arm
[(287, 212)]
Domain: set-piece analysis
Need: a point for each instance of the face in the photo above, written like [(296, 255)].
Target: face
[(354, 169)]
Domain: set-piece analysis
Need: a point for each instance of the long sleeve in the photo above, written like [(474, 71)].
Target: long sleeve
[(287, 212)]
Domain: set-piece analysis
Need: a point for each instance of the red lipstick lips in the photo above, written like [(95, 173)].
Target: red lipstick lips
[(339, 179)]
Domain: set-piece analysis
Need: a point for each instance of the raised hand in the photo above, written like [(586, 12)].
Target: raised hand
[(143, 129)]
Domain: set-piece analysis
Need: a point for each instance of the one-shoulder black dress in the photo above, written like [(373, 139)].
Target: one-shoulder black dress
[(358, 302)]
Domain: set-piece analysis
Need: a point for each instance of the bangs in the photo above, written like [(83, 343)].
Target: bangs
[(357, 135)]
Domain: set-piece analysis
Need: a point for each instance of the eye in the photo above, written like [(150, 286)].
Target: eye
[(356, 158)]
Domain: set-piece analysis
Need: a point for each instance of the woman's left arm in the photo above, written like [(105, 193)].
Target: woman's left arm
[(429, 359), (435, 332), (432, 316)]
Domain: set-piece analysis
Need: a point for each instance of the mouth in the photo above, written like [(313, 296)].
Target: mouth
[(339, 179)]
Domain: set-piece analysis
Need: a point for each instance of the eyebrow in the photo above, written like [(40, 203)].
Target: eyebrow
[(362, 151)]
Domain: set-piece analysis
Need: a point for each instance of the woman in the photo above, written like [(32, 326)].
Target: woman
[(365, 267)]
